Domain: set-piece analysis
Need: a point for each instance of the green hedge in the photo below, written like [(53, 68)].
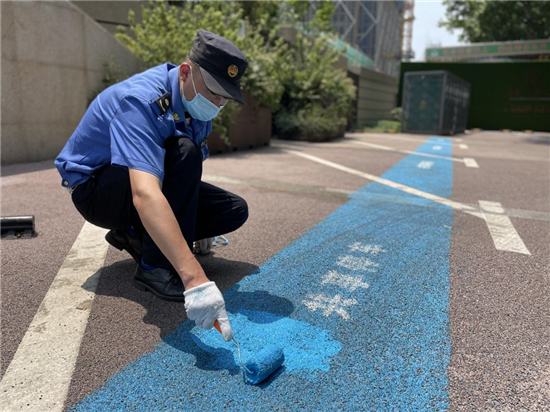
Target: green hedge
[(508, 95)]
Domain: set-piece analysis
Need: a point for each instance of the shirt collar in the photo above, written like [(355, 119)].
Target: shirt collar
[(177, 105)]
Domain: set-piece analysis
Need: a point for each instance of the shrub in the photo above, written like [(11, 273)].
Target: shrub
[(397, 113), (316, 103)]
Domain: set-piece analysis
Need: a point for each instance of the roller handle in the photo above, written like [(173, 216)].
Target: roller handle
[(217, 326)]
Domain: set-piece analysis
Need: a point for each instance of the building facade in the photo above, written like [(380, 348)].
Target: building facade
[(374, 28)]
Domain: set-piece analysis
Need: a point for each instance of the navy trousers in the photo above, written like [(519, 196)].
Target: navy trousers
[(201, 209)]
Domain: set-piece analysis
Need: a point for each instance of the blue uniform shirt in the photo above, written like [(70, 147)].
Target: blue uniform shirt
[(124, 126)]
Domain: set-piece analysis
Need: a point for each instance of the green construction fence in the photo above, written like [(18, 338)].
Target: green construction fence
[(503, 95)]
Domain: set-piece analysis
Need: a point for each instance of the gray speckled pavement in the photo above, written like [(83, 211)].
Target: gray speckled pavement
[(499, 303)]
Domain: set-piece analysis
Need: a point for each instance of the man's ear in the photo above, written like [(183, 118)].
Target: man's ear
[(184, 70)]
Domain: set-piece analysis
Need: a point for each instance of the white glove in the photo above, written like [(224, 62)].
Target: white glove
[(204, 304)]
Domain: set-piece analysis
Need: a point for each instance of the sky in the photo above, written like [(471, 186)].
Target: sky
[(425, 28)]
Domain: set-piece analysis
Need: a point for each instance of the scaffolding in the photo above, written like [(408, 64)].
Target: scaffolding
[(406, 30)]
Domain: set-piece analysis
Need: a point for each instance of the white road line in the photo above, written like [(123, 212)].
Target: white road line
[(436, 147), (469, 162), (377, 146), (463, 146), (498, 224), (394, 137), (505, 236), (519, 213), (438, 199), (425, 164), (39, 375)]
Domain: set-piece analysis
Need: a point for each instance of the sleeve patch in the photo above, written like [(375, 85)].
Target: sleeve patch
[(164, 102)]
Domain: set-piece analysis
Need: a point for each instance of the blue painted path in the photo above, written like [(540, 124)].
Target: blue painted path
[(359, 304)]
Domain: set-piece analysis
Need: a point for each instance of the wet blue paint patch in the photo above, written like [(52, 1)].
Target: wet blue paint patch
[(307, 348), (364, 293)]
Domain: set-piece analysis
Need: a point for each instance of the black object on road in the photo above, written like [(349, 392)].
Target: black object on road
[(17, 227)]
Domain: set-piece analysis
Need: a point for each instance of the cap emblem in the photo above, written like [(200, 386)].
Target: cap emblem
[(232, 70)]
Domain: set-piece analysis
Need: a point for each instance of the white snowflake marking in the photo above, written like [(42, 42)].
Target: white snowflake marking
[(329, 305), (344, 281), (369, 249), (357, 263), (425, 164)]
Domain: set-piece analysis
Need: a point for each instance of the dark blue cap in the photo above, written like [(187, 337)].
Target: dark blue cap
[(221, 64)]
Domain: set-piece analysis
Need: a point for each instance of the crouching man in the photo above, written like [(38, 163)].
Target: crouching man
[(134, 166)]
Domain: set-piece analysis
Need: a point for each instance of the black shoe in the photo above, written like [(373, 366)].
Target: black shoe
[(123, 241), (164, 284)]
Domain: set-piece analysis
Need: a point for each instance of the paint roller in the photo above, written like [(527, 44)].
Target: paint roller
[(264, 364)]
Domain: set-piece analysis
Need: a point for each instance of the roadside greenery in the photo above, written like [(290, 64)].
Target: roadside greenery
[(310, 99), (486, 21), (317, 98), (389, 126)]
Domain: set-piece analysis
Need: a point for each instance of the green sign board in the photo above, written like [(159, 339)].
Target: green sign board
[(481, 50)]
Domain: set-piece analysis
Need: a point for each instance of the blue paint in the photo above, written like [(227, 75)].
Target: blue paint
[(392, 352), (307, 348)]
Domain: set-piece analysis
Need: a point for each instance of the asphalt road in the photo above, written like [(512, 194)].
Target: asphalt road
[(474, 319)]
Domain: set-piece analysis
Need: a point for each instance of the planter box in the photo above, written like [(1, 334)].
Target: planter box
[(251, 129)]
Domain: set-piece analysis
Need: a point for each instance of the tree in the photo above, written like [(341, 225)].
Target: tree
[(167, 32), (309, 97), (485, 21)]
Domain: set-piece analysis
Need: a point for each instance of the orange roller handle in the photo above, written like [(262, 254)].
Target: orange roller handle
[(217, 326)]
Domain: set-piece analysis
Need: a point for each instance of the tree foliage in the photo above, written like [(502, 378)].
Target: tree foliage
[(167, 31), (485, 21), (309, 97)]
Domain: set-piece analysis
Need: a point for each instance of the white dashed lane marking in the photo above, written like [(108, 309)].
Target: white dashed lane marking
[(469, 162), (505, 236), (39, 375), (463, 146)]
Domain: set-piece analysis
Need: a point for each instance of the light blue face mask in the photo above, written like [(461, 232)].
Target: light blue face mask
[(200, 107)]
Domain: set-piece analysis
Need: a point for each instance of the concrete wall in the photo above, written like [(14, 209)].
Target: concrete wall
[(376, 96), (109, 14), (53, 58)]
